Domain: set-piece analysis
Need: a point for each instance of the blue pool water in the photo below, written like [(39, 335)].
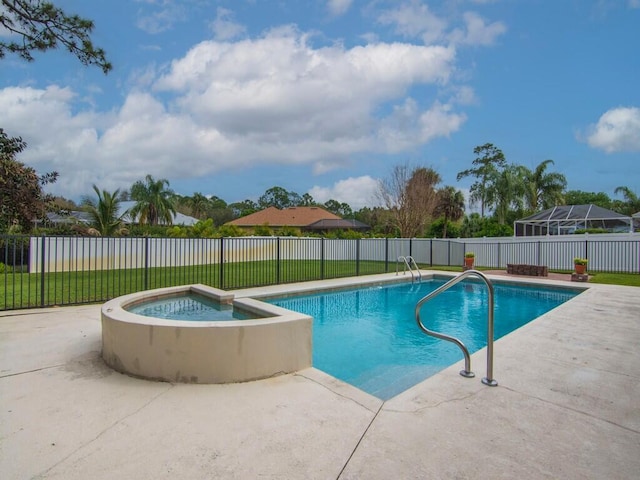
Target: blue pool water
[(192, 307), (368, 337)]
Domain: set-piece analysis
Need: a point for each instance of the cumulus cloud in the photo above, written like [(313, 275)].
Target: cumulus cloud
[(617, 130), (223, 27), (358, 192), (414, 19), (476, 31), (226, 105), (338, 7), (163, 18)]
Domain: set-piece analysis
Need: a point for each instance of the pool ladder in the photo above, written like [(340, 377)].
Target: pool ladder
[(488, 380), (409, 264)]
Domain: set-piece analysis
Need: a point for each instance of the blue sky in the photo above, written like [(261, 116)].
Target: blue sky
[(231, 98)]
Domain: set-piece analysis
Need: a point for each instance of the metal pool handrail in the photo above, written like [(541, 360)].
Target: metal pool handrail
[(488, 380), (409, 263)]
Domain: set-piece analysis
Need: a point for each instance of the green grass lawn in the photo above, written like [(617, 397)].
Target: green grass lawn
[(29, 290), (24, 290), (628, 279)]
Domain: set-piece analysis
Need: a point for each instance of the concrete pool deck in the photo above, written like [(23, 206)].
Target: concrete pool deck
[(567, 406)]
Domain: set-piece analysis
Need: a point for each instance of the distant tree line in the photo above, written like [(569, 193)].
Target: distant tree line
[(413, 204)]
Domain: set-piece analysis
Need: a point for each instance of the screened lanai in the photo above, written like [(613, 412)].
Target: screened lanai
[(566, 219)]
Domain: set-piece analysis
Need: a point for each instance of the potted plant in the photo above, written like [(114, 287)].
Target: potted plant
[(469, 258), (580, 265)]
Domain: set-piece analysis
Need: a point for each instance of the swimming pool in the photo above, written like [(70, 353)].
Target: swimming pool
[(190, 306), (368, 336)]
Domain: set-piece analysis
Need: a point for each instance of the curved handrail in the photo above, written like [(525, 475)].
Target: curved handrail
[(409, 263), (488, 380)]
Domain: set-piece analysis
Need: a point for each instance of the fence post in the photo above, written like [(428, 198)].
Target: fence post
[(386, 254), (146, 263), (42, 267), (322, 258), (221, 263), (278, 260), (586, 248), (411, 247), (357, 256), (464, 249), (431, 252)]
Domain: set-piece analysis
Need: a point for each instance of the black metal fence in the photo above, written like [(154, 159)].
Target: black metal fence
[(47, 271)]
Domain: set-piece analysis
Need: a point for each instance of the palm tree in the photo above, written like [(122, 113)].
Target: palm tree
[(154, 202), (509, 190), (632, 201), (199, 205), (104, 212), (543, 190), (450, 206)]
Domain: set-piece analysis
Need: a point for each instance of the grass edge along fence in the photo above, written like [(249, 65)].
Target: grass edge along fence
[(47, 271)]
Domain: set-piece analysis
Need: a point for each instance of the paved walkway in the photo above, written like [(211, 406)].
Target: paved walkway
[(567, 406)]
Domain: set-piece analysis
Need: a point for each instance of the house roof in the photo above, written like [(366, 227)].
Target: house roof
[(290, 217), (123, 208), (178, 218), (566, 219), (72, 217), (574, 212), (331, 224)]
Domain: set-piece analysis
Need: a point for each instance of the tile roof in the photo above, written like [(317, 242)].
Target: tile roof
[(332, 224), (291, 217)]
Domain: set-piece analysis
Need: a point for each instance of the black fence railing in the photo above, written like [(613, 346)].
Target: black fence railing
[(47, 271)]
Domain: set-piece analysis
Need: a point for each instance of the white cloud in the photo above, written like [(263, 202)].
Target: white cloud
[(223, 27), (477, 31), (358, 192), (230, 105), (162, 19), (338, 7), (414, 19), (408, 123), (617, 130)]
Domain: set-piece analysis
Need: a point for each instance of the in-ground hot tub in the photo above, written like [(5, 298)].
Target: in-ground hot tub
[(269, 341)]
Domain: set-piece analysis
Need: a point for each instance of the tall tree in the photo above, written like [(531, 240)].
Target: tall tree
[(307, 200), (22, 200), (199, 205), (411, 197), (509, 190), (244, 208), (280, 198), (341, 209), (450, 206), (579, 197), (543, 189), (105, 212), (488, 163), (40, 26), (154, 203), (632, 201)]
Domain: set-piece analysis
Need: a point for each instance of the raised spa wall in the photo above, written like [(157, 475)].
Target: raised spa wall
[(205, 352)]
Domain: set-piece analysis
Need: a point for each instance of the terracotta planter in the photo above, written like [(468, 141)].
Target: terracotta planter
[(468, 262), (580, 269)]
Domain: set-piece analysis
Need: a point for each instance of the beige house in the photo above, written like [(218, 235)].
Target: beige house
[(304, 218)]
